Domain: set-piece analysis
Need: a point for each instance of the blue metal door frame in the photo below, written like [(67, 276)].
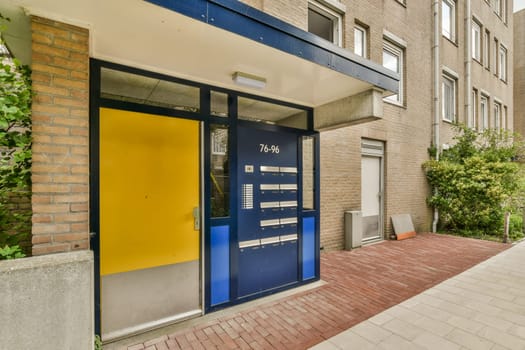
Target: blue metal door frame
[(227, 227)]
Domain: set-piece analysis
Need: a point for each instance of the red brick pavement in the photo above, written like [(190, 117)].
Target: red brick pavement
[(361, 283)]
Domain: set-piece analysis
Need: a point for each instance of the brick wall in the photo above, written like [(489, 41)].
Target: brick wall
[(60, 137)]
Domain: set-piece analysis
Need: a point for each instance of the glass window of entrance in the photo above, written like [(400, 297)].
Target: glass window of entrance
[(271, 113), (129, 87)]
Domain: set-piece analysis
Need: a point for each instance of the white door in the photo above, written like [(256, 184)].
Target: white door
[(371, 192)]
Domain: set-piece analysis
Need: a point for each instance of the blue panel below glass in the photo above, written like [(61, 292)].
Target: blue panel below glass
[(308, 248), (220, 264)]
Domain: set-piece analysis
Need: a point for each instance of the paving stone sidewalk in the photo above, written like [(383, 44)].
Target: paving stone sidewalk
[(359, 284), (481, 308)]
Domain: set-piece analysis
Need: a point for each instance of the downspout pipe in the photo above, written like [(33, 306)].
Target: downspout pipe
[(435, 90), (468, 63)]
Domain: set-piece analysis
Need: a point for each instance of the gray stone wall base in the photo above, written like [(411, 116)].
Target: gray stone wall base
[(46, 302)]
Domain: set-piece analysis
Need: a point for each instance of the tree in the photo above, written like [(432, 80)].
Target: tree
[(476, 182)]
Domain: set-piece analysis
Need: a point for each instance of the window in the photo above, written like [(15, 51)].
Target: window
[(448, 91), (500, 7), (495, 46), (502, 60), (473, 122), (476, 41), (497, 115), (497, 7), (360, 39), (504, 118), (484, 112), (324, 22), (486, 49), (220, 172), (393, 60), (448, 19)]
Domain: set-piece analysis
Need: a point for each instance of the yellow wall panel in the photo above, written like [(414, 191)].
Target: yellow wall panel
[(149, 185)]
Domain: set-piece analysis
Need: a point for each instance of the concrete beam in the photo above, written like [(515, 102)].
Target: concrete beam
[(17, 32), (361, 108)]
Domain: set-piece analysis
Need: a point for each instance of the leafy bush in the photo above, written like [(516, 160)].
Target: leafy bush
[(13, 252), (476, 182), (15, 152)]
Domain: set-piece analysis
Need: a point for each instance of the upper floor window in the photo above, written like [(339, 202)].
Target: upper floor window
[(449, 98), (502, 60), (448, 19), (500, 8), (486, 49), (476, 41), (495, 49), (484, 112), (473, 122), (497, 7), (324, 22), (497, 115), (360, 40), (393, 60)]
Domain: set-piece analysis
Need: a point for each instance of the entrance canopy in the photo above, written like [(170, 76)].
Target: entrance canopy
[(209, 40)]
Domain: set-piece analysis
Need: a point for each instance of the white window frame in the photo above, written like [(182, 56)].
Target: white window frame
[(335, 16), (497, 7), (449, 33), (484, 112), (502, 62), (448, 108), (398, 51), (495, 56), (473, 122), (497, 115), (364, 40), (476, 40), (486, 49), (504, 119)]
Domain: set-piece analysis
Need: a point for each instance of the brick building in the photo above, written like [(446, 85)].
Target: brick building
[(356, 91)]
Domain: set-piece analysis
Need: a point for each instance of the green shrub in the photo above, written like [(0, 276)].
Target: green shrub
[(15, 153), (476, 182), (14, 252)]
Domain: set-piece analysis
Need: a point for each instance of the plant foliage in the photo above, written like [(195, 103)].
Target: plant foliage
[(15, 151), (476, 182)]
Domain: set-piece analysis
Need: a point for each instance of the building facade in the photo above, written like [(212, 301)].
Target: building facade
[(254, 125), (519, 71)]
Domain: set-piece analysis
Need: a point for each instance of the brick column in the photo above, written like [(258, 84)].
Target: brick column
[(60, 137)]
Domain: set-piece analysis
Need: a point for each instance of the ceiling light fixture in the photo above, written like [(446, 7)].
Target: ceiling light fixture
[(248, 80)]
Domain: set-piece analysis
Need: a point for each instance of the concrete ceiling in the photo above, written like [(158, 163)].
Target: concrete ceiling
[(139, 34)]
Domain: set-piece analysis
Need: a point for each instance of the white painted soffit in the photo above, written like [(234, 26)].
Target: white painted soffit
[(139, 34)]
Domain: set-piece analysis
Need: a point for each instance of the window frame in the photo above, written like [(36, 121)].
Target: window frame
[(502, 63), (495, 56), (452, 105), (474, 110), (450, 33), (484, 112), (335, 16), (486, 49), (364, 39), (497, 115), (476, 44), (399, 51)]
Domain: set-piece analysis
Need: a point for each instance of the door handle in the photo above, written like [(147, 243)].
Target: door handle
[(196, 219)]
